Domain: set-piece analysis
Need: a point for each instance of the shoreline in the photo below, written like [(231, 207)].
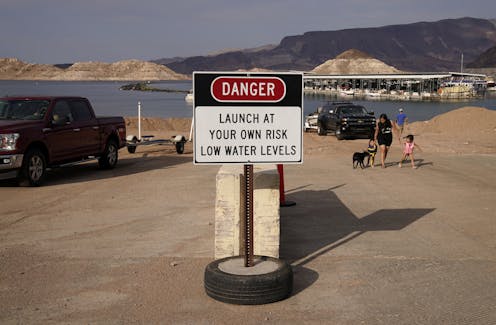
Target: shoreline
[(99, 80)]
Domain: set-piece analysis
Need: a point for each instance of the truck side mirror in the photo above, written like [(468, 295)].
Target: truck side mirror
[(55, 122), (371, 113), (59, 121)]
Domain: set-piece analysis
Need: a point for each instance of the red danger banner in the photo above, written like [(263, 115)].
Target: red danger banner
[(248, 89)]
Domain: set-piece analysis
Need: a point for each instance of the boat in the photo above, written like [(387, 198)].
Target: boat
[(455, 91), (346, 92), (415, 96), (189, 97), (491, 86), (425, 95), (372, 94), (311, 121)]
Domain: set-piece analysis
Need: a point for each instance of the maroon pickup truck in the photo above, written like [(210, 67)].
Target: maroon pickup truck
[(41, 132)]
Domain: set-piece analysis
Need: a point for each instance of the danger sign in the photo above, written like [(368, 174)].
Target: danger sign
[(247, 118), (248, 89)]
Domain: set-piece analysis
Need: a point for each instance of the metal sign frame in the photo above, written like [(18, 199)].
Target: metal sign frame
[(292, 100)]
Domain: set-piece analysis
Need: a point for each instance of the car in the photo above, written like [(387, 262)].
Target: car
[(37, 133), (311, 121), (345, 119)]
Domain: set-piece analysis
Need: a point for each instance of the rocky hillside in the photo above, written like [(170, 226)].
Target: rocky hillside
[(485, 60), (135, 70), (423, 46), (354, 62), (14, 69)]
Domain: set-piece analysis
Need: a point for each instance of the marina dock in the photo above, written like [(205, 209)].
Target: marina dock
[(414, 86)]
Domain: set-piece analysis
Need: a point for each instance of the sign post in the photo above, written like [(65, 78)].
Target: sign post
[(248, 215), (247, 118)]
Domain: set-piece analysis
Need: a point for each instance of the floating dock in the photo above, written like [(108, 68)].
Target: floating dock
[(414, 86)]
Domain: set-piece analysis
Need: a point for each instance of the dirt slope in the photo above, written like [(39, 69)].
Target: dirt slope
[(354, 62), (14, 69)]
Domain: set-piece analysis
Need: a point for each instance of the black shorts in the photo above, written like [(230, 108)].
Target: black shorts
[(385, 139)]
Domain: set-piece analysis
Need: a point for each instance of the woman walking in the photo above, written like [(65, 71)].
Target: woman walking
[(384, 136)]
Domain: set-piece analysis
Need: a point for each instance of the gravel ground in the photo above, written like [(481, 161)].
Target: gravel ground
[(372, 246)]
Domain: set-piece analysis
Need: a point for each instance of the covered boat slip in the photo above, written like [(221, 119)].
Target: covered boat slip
[(398, 86)]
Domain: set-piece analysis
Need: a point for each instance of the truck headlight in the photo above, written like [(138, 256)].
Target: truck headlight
[(8, 141)]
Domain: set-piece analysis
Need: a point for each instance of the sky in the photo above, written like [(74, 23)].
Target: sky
[(66, 31)]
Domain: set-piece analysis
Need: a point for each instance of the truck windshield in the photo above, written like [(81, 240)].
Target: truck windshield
[(354, 110), (25, 109)]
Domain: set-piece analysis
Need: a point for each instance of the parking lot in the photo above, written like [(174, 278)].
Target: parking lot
[(129, 245)]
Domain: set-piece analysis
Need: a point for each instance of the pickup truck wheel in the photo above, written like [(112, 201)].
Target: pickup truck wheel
[(110, 156), (180, 147), (33, 168)]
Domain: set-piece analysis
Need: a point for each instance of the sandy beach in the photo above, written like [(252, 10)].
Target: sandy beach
[(368, 246)]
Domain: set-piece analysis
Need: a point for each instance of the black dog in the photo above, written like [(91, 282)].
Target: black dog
[(358, 158)]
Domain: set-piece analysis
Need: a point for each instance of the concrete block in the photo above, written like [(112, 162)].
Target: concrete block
[(229, 221)]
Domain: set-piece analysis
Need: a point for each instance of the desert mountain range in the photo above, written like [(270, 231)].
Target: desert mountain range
[(485, 60), (416, 47), (348, 62), (14, 69)]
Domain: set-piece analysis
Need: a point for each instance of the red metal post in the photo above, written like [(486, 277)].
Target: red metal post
[(282, 197)]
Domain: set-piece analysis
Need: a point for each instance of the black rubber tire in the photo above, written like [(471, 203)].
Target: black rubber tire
[(321, 131), (131, 149), (249, 289), (33, 168), (110, 156), (339, 136), (180, 147)]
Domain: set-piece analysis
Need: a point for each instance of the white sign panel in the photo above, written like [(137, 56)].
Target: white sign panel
[(248, 134)]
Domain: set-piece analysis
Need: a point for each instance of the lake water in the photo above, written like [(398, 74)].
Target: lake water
[(107, 99)]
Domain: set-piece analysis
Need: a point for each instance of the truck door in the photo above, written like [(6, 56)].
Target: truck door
[(87, 127), (333, 118), (63, 142)]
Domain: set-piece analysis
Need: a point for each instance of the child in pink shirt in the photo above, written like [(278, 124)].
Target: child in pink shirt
[(409, 145)]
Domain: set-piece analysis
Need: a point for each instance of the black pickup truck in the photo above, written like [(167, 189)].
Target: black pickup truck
[(41, 132), (345, 119)]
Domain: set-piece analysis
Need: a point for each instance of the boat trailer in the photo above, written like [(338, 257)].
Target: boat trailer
[(133, 141)]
